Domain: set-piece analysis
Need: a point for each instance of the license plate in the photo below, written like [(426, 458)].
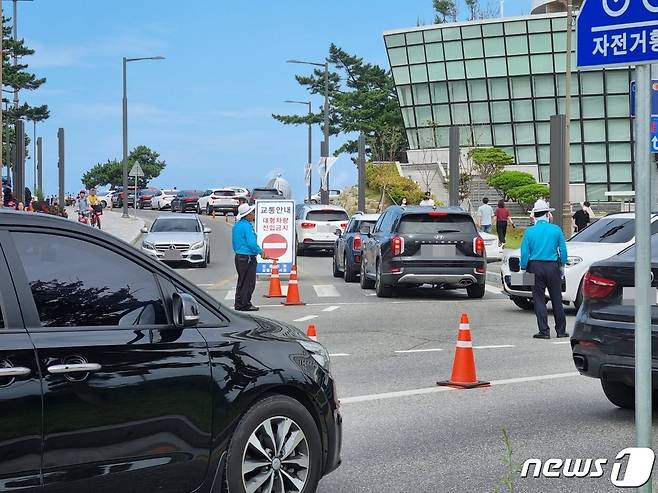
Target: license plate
[(172, 255), (438, 250)]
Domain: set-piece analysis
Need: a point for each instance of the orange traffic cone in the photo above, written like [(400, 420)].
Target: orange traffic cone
[(275, 282), (293, 289), (463, 368), (311, 333)]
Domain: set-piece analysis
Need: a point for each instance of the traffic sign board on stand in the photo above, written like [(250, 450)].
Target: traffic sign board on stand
[(654, 97), (275, 230), (654, 134), (136, 171)]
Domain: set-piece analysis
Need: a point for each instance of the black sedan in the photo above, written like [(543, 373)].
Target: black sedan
[(348, 248), (186, 200), (138, 381), (603, 341)]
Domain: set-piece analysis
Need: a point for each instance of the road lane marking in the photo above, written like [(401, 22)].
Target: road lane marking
[(500, 346), (434, 390), (331, 308), (369, 294), (304, 319), (230, 295), (493, 290), (333, 355), (325, 290), (406, 351), (561, 342), (405, 302)]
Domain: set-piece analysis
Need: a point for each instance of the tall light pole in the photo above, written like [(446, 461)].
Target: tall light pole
[(310, 143), (125, 127), (566, 206), (324, 192)]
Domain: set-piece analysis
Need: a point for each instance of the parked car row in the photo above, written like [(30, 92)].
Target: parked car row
[(224, 200)]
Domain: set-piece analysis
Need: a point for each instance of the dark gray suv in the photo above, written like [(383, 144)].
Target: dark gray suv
[(412, 246)]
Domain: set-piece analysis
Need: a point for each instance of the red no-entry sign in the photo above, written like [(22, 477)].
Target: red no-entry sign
[(275, 245)]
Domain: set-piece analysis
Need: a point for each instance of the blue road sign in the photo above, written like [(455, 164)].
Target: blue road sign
[(654, 135), (654, 97), (617, 32)]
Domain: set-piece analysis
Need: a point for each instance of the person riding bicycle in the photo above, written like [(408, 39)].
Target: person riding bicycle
[(96, 208), (83, 204)]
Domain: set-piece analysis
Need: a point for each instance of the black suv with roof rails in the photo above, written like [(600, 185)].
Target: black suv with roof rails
[(412, 246), (119, 375)]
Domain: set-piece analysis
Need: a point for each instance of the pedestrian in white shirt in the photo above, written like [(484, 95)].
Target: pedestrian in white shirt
[(427, 201), (485, 216)]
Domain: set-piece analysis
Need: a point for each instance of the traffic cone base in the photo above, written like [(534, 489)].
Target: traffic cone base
[(463, 368)]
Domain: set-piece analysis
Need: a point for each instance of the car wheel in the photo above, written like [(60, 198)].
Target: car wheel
[(276, 444), (337, 272), (382, 290), (103, 204), (208, 210), (365, 282), (523, 303), (475, 291), (350, 274), (198, 210), (621, 395)]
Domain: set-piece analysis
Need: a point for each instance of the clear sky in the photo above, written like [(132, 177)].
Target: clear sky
[(206, 108)]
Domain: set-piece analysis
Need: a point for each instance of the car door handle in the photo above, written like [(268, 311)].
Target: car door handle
[(15, 371), (74, 368)]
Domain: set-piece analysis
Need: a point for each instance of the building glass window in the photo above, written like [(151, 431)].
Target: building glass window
[(596, 192), (527, 154), (500, 111), (544, 109), (451, 33), (437, 71), (416, 54), (453, 50), (592, 107), (477, 90), (494, 47), (591, 82), (439, 92), (395, 40), (442, 136), (418, 73), (619, 130), (595, 153), (617, 81), (489, 30), (503, 135), (408, 117), (471, 32), (441, 114), (518, 65), (421, 94), (423, 116), (522, 110), (521, 87), (576, 173), (560, 42), (460, 114), (594, 131), (434, 52), (457, 91), (576, 153), (517, 45), (576, 134), (524, 133), (621, 172), (575, 107), (481, 136), (544, 85), (414, 38), (404, 95), (596, 173), (433, 35), (480, 112), (455, 70), (475, 69), (412, 137), (561, 84), (539, 25), (540, 43), (401, 75), (544, 174), (618, 106), (473, 48), (515, 28), (498, 89), (496, 67), (620, 152), (543, 130), (542, 64), (559, 24), (426, 138), (543, 154), (398, 56)]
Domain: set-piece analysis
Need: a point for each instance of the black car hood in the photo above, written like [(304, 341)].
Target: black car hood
[(267, 327)]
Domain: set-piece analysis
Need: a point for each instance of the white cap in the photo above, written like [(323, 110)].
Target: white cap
[(245, 210)]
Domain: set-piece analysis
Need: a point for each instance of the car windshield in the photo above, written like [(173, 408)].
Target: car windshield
[(629, 253), (328, 215), (357, 225), (435, 223), (607, 230), (175, 225)]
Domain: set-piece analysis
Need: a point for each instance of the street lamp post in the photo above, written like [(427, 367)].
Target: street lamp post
[(566, 206), (125, 128), (324, 190), (310, 143)]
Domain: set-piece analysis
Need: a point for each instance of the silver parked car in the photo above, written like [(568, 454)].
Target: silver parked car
[(178, 239)]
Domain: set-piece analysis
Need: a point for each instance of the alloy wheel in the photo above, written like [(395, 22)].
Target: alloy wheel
[(276, 458)]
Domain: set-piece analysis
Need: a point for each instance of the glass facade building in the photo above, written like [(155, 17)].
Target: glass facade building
[(501, 80)]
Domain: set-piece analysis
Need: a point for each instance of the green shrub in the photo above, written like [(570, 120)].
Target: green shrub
[(386, 176), (527, 195), (509, 180), (490, 161)]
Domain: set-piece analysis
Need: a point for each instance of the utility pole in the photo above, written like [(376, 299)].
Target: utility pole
[(566, 206), (19, 162), (125, 140), (39, 158), (324, 192), (454, 173), (361, 166), (2, 128), (60, 141), (15, 35)]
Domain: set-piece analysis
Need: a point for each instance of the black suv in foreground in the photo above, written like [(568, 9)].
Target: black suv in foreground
[(412, 246), (603, 341), (118, 375)]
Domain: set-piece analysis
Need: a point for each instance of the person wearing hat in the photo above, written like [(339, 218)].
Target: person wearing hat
[(544, 254), (245, 246)]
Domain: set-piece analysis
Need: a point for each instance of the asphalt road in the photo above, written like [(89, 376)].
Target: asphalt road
[(402, 433)]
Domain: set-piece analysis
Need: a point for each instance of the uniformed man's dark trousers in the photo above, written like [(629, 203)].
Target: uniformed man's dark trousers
[(548, 276), (246, 267)]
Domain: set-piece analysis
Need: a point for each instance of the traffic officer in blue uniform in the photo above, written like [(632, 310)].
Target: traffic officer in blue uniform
[(544, 254), (246, 248)]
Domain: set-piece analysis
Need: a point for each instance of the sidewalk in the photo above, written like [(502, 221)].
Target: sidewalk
[(127, 230)]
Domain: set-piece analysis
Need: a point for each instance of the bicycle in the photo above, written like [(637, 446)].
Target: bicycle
[(96, 212)]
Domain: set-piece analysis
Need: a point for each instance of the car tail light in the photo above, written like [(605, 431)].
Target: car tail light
[(437, 214), (213, 197), (308, 225), (397, 244), (597, 287), (343, 225), (190, 199), (478, 246), (357, 259), (357, 244), (395, 270)]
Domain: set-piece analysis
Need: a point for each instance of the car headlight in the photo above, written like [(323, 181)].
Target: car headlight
[(148, 246), (198, 244), (571, 261), (318, 352)]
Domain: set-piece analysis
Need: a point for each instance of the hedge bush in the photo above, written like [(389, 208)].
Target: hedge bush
[(527, 195), (386, 176), (506, 181)]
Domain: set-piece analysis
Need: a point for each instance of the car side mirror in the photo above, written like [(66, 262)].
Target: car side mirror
[(185, 310), (338, 232), (365, 230), (144, 230), (207, 230)]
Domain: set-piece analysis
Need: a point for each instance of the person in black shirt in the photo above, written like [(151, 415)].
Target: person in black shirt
[(581, 218)]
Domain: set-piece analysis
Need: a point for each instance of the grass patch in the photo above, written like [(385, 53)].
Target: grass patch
[(513, 238)]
